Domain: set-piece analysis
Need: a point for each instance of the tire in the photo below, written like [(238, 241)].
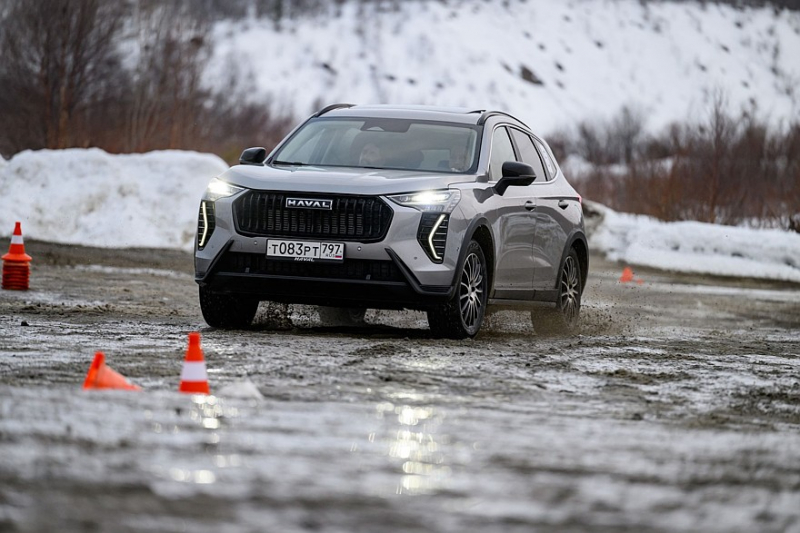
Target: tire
[(341, 316), (563, 317), (462, 316), (227, 311)]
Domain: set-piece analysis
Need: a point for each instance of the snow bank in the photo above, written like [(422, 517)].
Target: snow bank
[(150, 200), (94, 198), (696, 247)]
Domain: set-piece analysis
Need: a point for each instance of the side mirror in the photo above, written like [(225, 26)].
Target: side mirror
[(515, 174), (253, 156)]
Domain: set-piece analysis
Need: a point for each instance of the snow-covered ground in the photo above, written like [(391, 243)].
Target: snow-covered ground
[(552, 63), (93, 198)]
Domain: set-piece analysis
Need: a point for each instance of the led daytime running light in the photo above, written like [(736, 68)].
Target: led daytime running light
[(433, 232), (205, 224)]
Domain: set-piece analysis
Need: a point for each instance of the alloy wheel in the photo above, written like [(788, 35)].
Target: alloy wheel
[(570, 290), (471, 292)]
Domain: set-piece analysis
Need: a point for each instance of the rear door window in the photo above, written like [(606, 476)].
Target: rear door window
[(528, 154)]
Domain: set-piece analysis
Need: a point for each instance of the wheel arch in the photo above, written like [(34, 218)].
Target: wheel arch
[(480, 230), (577, 241)]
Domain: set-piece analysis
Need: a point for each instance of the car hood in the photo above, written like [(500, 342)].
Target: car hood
[(338, 180)]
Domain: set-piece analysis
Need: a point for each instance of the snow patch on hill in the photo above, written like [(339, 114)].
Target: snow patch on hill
[(550, 63)]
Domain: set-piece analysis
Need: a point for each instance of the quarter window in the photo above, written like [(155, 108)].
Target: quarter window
[(502, 151), (548, 161)]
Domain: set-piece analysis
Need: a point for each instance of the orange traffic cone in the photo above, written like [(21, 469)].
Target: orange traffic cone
[(627, 275), (102, 376), (194, 379), (16, 263)]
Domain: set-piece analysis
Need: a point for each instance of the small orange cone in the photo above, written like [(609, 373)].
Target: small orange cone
[(16, 263), (627, 275), (194, 379), (102, 376)]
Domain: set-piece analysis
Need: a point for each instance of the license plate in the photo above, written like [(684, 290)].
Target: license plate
[(305, 250)]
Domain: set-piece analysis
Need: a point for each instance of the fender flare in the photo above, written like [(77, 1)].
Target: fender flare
[(577, 235), (468, 236)]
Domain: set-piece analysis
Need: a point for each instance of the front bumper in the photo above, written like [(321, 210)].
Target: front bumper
[(394, 273), (354, 283)]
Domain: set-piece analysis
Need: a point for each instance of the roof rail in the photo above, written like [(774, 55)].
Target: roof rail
[(488, 114), (330, 108)]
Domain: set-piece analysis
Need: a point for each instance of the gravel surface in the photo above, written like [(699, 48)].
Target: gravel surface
[(675, 408)]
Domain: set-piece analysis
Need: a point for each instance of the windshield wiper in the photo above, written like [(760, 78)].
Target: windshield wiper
[(294, 163)]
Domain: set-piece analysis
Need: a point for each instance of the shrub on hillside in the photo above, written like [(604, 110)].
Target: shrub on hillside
[(725, 169)]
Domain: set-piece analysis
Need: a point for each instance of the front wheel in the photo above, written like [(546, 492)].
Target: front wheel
[(563, 317), (462, 316), (227, 310)]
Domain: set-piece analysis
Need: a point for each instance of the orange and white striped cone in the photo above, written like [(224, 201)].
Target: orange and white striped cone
[(194, 378), (16, 263)]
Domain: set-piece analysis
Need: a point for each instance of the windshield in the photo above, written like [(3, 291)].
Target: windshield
[(399, 144)]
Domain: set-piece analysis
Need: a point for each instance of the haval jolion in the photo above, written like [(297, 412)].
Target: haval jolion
[(446, 210)]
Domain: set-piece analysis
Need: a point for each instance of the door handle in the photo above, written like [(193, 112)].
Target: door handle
[(530, 206), (563, 204)]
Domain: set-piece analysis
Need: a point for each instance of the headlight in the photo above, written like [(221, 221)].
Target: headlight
[(219, 189), (436, 207), (441, 201)]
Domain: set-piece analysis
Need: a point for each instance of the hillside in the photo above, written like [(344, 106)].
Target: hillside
[(551, 63)]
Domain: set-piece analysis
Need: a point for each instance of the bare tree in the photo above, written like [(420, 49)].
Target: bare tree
[(57, 57), (591, 143), (716, 138), (625, 137), (166, 97)]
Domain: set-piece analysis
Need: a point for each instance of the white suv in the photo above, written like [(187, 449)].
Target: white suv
[(439, 209)]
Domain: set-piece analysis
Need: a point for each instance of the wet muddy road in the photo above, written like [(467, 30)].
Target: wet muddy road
[(676, 408)]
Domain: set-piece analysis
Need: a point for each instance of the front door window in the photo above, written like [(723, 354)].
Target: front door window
[(502, 151)]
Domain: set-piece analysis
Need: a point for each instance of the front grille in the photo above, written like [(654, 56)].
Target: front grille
[(206, 222), (352, 218), (349, 269), (439, 240)]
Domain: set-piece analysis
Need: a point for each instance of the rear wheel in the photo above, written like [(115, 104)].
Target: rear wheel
[(564, 316), (462, 316), (227, 310)]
